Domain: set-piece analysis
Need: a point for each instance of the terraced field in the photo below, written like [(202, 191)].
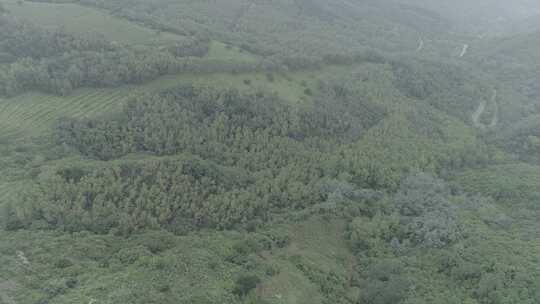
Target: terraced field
[(34, 113), (77, 19)]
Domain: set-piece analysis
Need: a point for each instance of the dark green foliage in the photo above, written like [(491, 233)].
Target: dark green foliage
[(384, 283), (371, 236), (128, 256), (191, 47), (55, 288), (252, 158), (178, 120), (156, 241), (385, 292), (231, 160), (340, 110), (63, 263), (131, 196), (245, 283), (10, 221)]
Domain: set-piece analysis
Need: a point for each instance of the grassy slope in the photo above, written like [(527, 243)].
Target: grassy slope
[(198, 265), (317, 243), (219, 50)]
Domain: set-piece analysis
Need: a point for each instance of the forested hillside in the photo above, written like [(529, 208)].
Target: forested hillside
[(277, 152)]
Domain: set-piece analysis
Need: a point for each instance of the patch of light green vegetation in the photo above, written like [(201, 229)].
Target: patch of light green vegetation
[(318, 244), (294, 87), (33, 113), (286, 87), (219, 50)]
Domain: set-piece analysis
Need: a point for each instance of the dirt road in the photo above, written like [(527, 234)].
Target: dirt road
[(482, 108), (420, 45), (464, 50)]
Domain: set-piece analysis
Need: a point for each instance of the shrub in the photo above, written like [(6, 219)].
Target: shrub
[(157, 241), (9, 219), (245, 283), (55, 287), (419, 193), (385, 292), (428, 217), (63, 263), (384, 284), (129, 255)]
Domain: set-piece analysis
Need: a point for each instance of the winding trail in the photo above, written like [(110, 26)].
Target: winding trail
[(464, 50), (483, 104), (420, 45), (481, 109), (22, 258)]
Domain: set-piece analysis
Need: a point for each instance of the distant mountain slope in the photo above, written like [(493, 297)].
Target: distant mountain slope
[(481, 16), (303, 26), (514, 60)]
